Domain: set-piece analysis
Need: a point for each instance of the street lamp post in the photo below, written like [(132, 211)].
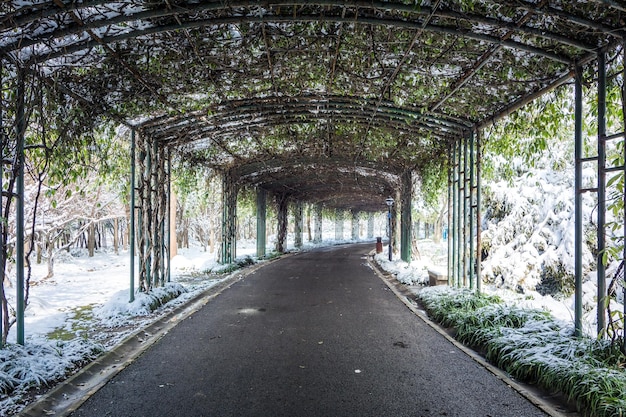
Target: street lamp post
[(389, 202)]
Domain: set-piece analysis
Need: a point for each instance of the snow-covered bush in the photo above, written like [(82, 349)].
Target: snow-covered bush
[(528, 231), (118, 311)]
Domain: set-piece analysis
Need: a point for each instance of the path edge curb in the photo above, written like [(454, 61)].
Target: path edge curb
[(68, 395), (403, 294)]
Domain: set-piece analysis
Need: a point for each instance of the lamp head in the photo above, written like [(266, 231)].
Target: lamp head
[(389, 201)]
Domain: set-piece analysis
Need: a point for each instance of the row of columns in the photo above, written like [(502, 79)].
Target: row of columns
[(602, 168), (464, 200), (151, 216), (464, 195), (282, 202)]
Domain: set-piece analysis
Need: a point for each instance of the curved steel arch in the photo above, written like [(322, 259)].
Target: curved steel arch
[(79, 25), (190, 128), (90, 42), (336, 182)]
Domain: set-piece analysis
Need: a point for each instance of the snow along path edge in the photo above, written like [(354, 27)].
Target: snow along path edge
[(70, 394), (404, 294)]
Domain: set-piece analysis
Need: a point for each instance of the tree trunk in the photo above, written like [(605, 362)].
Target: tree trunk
[(50, 250), (116, 242), (91, 239)]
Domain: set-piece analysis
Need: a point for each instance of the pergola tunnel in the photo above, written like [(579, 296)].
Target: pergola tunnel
[(151, 215), (330, 106)]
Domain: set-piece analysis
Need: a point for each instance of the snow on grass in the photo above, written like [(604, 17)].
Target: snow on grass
[(534, 347), (39, 364), (432, 256)]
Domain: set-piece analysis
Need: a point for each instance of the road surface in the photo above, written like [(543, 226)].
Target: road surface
[(315, 334)]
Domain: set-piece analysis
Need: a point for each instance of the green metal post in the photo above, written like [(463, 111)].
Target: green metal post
[(20, 128), (390, 225), (148, 221), (478, 214), (470, 223), (229, 220), (169, 215), (601, 192), (157, 240), (162, 187), (2, 223), (450, 209), (298, 224), (261, 222), (578, 211), (454, 232), (355, 225), (405, 219), (132, 216), (338, 224), (459, 221), (464, 223), (317, 236), (282, 203), (624, 191)]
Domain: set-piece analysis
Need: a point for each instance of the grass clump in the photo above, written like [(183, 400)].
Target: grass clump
[(78, 324), (533, 347)]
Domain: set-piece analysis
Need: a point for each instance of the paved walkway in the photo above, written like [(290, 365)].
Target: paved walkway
[(315, 334)]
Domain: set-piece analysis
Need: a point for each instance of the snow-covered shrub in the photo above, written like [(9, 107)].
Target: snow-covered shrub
[(528, 232), (118, 311), (39, 364)]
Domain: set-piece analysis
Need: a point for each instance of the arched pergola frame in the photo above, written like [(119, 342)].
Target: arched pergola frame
[(289, 96)]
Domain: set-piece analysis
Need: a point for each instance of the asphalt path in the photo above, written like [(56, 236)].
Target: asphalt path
[(315, 334)]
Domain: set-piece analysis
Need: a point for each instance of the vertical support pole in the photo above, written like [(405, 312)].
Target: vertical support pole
[(464, 222), (578, 203), (224, 250), (624, 191), (406, 221), (390, 222), (261, 221), (479, 280), (355, 225), (229, 219), (472, 212), (2, 223), (281, 218), (160, 192), (298, 224), (370, 225), (169, 215), (147, 217), (450, 216), (132, 216), (601, 233), (338, 224), (20, 128), (140, 186), (317, 237), (458, 236), (453, 232)]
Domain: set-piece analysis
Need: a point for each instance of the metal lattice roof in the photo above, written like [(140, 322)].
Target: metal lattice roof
[(327, 101)]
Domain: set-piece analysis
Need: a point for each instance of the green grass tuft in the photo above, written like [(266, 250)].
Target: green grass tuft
[(532, 347)]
